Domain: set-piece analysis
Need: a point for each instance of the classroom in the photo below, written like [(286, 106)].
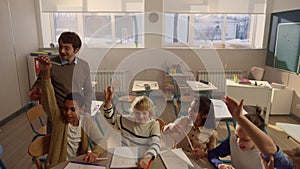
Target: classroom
[(163, 45)]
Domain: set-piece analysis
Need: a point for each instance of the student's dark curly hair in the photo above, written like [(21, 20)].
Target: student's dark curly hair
[(77, 97), (257, 120), (205, 106), (70, 37)]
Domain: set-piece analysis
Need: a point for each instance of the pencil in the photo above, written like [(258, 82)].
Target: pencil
[(104, 158), (85, 163), (55, 63), (189, 141)]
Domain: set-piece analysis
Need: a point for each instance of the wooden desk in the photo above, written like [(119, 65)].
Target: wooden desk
[(156, 164), (259, 94), (139, 86), (291, 129), (198, 86), (202, 87)]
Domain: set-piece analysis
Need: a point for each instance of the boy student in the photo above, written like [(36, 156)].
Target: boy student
[(70, 74), (272, 155), (194, 132), (71, 132), (137, 129), (242, 149)]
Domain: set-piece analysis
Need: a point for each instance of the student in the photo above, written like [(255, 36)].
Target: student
[(137, 129), (71, 132), (202, 137), (73, 75), (242, 149), (262, 141)]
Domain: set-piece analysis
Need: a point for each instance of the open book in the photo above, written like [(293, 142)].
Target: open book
[(125, 157), (176, 158)]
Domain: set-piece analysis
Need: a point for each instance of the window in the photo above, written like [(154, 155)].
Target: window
[(213, 30), (97, 29), (120, 23)]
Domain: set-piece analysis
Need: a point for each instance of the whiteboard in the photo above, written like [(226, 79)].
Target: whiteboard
[(287, 48)]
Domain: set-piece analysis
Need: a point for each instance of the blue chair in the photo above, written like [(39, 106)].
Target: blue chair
[(227, 122), (181, 102), (38, 148), (36, 117), (1, 162)]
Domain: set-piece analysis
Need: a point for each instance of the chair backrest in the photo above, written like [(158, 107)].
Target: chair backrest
[(38, 148), (161, 123), (36, 117), (256, 73)]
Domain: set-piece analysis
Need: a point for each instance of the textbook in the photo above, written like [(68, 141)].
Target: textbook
[(125, 157)]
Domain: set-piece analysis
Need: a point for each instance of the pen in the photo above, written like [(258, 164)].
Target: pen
[(85, 163)]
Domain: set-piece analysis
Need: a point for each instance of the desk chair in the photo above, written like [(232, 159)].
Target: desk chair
[(161, 124), (38, 148), (121, 99), (227, 122), (1, 162), (256, 73), (36, 117), (181, 102)]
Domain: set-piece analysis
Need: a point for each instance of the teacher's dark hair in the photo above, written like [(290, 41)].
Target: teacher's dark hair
[(70, 37)]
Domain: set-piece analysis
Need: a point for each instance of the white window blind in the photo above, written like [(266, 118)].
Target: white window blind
[(215, 6), (109, 6)]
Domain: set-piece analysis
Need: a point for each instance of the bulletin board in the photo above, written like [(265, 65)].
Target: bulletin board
[(287, 48)]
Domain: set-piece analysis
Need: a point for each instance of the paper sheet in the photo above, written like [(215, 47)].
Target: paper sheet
[(125, 157), (82, 166), (176, 158), (95, 106)]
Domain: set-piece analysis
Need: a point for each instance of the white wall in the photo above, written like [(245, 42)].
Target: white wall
[(18, 38), (280, 5)]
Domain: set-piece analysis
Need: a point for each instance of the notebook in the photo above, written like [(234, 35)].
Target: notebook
[(125, 157)]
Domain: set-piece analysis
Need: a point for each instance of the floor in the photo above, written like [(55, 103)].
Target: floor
[(16, 135)]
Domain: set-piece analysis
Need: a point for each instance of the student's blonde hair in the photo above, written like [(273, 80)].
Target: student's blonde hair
[(142, 103)]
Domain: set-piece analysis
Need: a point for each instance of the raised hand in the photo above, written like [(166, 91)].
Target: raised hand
[(45, 63), (108, 95), (235, 108)]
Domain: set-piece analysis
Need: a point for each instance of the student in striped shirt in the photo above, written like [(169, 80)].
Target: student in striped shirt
[(137, 129)]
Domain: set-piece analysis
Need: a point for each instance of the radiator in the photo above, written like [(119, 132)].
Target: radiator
[(218, 77), (116, 78)]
